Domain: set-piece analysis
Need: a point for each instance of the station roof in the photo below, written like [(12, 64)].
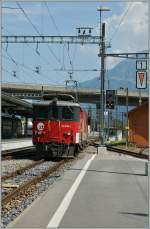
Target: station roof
[(16, 105), (59, 103)]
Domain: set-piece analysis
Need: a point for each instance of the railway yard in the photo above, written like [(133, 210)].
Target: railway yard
[(74, 192)]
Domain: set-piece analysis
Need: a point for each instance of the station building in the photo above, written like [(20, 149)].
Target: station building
[(138, 125), (16, 117)]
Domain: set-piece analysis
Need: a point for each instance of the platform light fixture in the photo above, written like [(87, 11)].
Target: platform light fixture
[(101, 9)]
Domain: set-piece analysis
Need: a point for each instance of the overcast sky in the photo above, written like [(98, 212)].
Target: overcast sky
[(126, 30)]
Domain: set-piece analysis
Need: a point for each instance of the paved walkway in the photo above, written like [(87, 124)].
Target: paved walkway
[(17, 143), (99, 191)]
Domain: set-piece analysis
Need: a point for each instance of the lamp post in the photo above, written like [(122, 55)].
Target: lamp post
[(140, 100), (100, 9), (127, 104), (102, 54)]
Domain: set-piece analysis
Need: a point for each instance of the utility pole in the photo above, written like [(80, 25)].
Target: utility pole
[(127, 105), (122, 121), (140, 100), (102, 87), (116, 99), (108, 125), (127, 117), (102, 83)]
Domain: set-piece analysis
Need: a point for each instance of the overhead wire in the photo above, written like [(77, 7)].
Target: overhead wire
[(5, 70), (52, 18), (40, 34), (58, 31), (2, 27), (63, 58), (10, 58), (22, 65), (42, 57), (14, 61), (70, 61), (26, 15), (8, 7), (121, 21), (75, 51), (42, 20), (36, 53), (18, 64), (26, 67), (37, 31), (55, 25)]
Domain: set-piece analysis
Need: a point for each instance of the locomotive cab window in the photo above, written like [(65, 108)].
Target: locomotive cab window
[(54, 112), (70, 113), (67, 113), (41, 112)]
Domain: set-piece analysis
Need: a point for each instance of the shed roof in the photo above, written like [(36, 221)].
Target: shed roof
[(20, 106), (137, 108), (59, 103)]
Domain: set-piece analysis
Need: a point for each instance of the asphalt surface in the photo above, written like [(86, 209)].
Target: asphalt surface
[(17, 143), (112, 193)]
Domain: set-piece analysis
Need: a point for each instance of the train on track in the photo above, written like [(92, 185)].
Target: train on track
[(60, 126)]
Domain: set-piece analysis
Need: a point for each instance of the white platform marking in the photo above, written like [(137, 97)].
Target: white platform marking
[(58, 215)]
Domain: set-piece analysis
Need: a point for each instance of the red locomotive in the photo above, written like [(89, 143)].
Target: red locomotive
[(60, 126)]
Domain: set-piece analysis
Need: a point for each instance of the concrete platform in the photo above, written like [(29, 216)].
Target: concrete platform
[(15, 143), (112, 193)]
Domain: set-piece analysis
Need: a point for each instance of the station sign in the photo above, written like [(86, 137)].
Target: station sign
[(141, 65), (141, 79)]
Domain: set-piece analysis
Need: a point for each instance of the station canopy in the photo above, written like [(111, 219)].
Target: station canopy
[(15, 105)]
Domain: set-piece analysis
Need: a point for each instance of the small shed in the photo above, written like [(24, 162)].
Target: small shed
[(138, 125)]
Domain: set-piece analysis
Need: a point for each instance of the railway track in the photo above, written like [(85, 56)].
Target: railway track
[(21, 170), (127, 152), (24, 189), (18, 153), (21, 186), (21, 195)]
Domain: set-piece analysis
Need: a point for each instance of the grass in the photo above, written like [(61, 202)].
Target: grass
[(117, 143)]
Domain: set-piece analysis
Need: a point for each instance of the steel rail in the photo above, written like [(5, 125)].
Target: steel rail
[(21, 170), (11, 196), (8, 154), (127, 152)]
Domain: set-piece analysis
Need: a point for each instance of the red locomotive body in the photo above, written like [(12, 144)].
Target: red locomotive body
[(59, 126)]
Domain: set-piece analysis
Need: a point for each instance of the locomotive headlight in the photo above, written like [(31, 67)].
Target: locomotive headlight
[(67, 133)]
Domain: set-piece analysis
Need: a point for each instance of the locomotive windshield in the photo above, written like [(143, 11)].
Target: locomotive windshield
[(41, 112), (54, 112), (69, 113)]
